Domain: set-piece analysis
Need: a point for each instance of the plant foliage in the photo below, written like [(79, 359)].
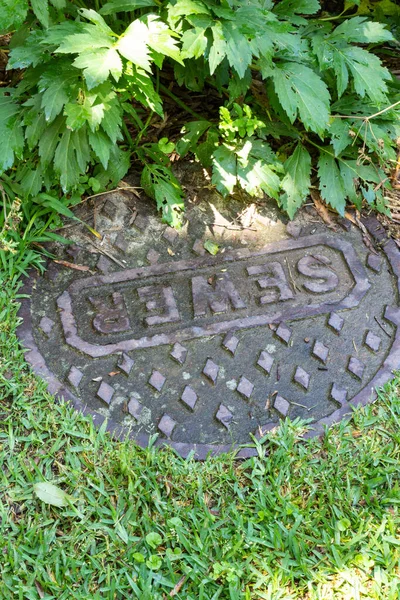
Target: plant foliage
[(304, 98)]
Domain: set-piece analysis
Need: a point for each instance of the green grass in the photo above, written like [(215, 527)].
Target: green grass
[(313, 520)]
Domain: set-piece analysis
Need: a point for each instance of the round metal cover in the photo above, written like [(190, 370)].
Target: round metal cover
[(159, 336)]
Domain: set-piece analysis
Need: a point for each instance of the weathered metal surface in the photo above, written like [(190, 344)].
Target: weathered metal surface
[(209, 350)]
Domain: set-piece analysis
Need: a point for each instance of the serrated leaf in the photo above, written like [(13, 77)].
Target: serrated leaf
[(51, 494), (12, 136), (204, 151), (192, 132), (331, 183), (302, 93), (368, 73), (297, 180), (194, 43), (12, 14), (112, 120), (160, 184), (96, 19), (133, 45), (110, 8), (162, 40), (56, 85), (238, 50), (34, 130), (224, 169), (49, 140), (142, 88), (92, 39), (81, 147), (29, 53), (98, 65), (186, 8), (118, 166), (339, 130), (56, 34), (363, 31), (32, 182), (65, 163), (218, 49), (41, 10), (256, 177), (287, 8)]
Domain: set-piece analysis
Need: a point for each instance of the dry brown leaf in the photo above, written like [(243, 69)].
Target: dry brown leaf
[(69, 265), (321, 209), (178, 586), (39, 589)]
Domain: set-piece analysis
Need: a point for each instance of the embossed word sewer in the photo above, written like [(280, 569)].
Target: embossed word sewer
[(208, 351)]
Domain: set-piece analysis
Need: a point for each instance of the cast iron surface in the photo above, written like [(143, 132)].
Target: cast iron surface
[(209, 350)]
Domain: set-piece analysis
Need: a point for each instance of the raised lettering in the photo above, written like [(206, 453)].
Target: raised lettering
[(276, 280), (159, 298), (312, 267), (217, 295), (111, 319)]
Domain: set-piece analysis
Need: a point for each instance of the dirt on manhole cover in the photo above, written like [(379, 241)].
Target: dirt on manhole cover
[(162, 337)]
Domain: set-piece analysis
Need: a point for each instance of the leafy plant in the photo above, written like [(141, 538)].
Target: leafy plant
[(305, 100)]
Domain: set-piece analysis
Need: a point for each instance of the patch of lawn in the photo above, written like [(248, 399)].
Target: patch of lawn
[(312, 520)]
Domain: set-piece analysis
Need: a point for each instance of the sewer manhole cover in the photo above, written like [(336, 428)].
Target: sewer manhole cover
[(207, 351)]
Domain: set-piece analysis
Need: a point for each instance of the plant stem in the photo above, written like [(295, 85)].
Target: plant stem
[(180, 103)]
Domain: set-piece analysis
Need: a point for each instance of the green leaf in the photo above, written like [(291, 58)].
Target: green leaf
[(29, 53), (218, 49), (362, 31), (160, 184), (194, 43), (238, 50), (339, 130), (12, 14), (11, 132), (118, 166), (32, 182), (56, 85), (49, 140), (204, 151), (297, 180), (133, 45), (256, 177), (96, 19), (302, 93), (287, 8), (51, 494), (369, 75), (91, 40), (211, 247), (154, 562), (138, 557), (115, 6), (161, 39), (186, 8), (41, 10), (331, 183), (56, 205), (165, 146), (224, 169), (65, 163), (142, 88), (153, 539), (192, 133), (98, 65), (112, 121)]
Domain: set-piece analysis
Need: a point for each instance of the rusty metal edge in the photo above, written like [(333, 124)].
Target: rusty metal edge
[(201, 451)]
